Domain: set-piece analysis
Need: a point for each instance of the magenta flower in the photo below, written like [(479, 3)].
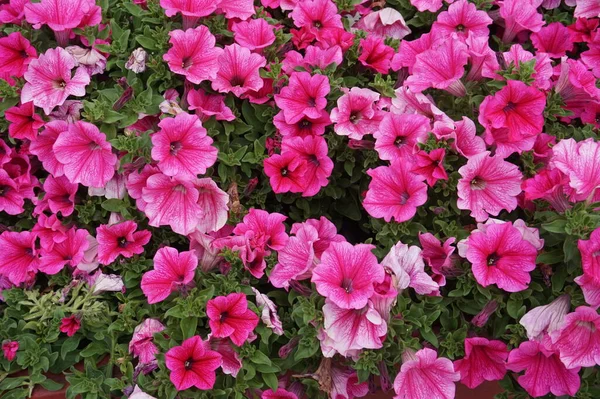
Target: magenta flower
[(255, 34), (591, 289), (25, 122), (42, 147), (238, 71), (554, 39), (316, 15), (587, 9), (312, 150), (464, 137), (315, 57), (50, 82), (304, 127), (578, 340), (13, 11), (375, 54), (484, 361), (410, 49), (386, 22), (435, 253), (182, 147), (9, 350), (206, 105), (190, 10), (19, 256), (590, 255), (231, 360), (488, 185), (70, 325), (141, 344), (120, 239), (214, 205), (440, 67), (193, 54), (546, 319), (355, 114), (430, 166), (347, 274), (462, 18), (399, 134), (67, 252), (16, 53), (49, 230), (543, 65), (303, 96), (172, 271), (347, 331), (297, 259), (237, 9), (394, 192), (171, 201), (286, 173), (501, 255), (12, 199), (425, 376), (519, 16), (549, 185), (280, 393), (263, 229), (193, 364), (578, 161), (86, 156), (136, 181), (229, 316), (428, 5)]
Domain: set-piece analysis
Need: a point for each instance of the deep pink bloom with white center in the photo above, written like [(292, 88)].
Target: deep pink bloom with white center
[(406, 264), (207, 105), (375, 54), (19, 255), (171, 201), (25, 122), (519, 16), (430, 166), (580, 161), (554, 39), (193, 54), (484, 361), (318, 166), (462, 18), (238, 71), (425, 376), (193, 364), (440, 67), (9, 350), (399, 134), (316, 15), (394, 192), (578, 340), (229, 316), (16, 53), (67, 252), (141, 344), (255, 34), (172, 270), (86, 156), (544, 371), (286, 173), (50, 81), (120, 239), (182, 147), (488, 185), (303, 96), (297, 259), (386, 22), (500, 255), (546, 319), (347, 274), (304, 127), (42, 147), (355, 114)]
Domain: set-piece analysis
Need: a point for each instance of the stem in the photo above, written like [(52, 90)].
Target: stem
[(189, 22), (62, 37)]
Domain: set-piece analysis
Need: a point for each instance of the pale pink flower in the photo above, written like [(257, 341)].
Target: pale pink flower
[(578, 341), (386, 22), (213, 202), (546, 319), (406, 264), (141, 344), (268, 311), (297, 259), (587, 9), (579, 161)]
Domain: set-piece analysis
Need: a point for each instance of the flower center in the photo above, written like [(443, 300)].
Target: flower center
[(492, 259), (305, 124), (4, 190), (510, 106), (347, 285), (95, 146), (586, 324), (59, 84), (175, 147), (187, 62), (223, 317), (180, 188), (312, 158), (122, 242), (284, 171), (355, 117), (237, 81), (400, 141), (312, 102), (317, 24), (460, 27), (478, 183), (188, 364), (404, 198)]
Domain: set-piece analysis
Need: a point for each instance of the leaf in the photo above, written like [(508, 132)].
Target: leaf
[(260, 358), (11, 383), (188, 326), (51, 385), (147, 42), (95, 348), (113, 205), (68, 346), (271, 381)]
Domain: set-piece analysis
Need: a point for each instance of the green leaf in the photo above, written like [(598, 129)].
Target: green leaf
[(51, 385), (147, 42), (95, 348), (188, 326), (113, 205), (68, 346), (271, 381), (260, 358), (11, 383)]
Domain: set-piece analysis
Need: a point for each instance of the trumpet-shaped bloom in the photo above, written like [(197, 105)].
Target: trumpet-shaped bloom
[(394, 192), (316, 15), (591, 289), (296, 259), (50, 80), (19, 256), (194, 9), (86, 156), (182, 147), (42, 147), (304, 96), (70, 325), (120, 239), (16, 53), (312, 150), (519, 16), (207, 105), (13, 11), (193, 364), (142, 342), (587, 9), (590, 255), (554, 40), (431, 166), (462, 18), (229, 316), (286, 173), (213, 202), (67, 252), (546, 319), (488, 185), (61, 15), (406, 264), (399, 134), (386, 22), (11, 199), (60, 194), (347, 274), (484, 361), (25, 122), (193, 54), (172, 270), (579, 161), (578, 340), (355, 114), (425, 376), (255, 34), (375, 54), (238, 71)]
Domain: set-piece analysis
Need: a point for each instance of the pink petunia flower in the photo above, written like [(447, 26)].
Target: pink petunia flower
[(435, 253), (206, 105), (590, 251), (375, 54), (190, 10), (172, 271), (265, 230), (268, 311), (578, 340), (542, 69), (519, 16), (42, 147), (544, 372), (462, 18), (193, 54), (488, 185), (280, 393), (591, 289), (11, 199), (408, 270), (410, 49), (315, 57), (576, 85), (546, 319), (25, 122), (419, 370), (70, 325), (304, 127), (428, 5), (16, 53), (316, 15), (297, 259), (394, 192), (50, 230), (355, 114), (231, 360), (463, 136), (553, 39), (255, 34), (312, 150), (193, 364), (484, 361), (286, 173), (347, 274), (238, 71), (587, 9), (549, 185), (136, 181), (86, 156), (13, 11), (501, 255), (430, 166), (229, 316), (50, 82), (203, 245), (237, 9), (182, 147), (141, 344), (67, 252), (578, 161), (303, 96), (386, 22), (120, 239), (19, 256), (213, 203), (9, 350)]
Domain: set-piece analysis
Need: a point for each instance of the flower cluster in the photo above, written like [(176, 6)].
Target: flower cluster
[(287, 199)]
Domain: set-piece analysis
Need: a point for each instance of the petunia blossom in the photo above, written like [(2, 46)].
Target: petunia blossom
[(25, 122), (297, 259), (19, 256), (206, 105), (255, 34), (268, 311), (192, 364), (355, 114), (190, 10), (519, 16), (578, 340), (238, 71), (375, 54), (69, 251), (172, 271), (120, 239), (484, 360), (229, 316), (578, 161), (141, 344), (462, 18), (214, 205), (553, 39), (313, 151), (303, 96), (546, 319), (405, 263), (386, 22), (16, 53)]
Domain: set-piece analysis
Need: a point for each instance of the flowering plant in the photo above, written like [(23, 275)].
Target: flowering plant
[(299, 198)]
